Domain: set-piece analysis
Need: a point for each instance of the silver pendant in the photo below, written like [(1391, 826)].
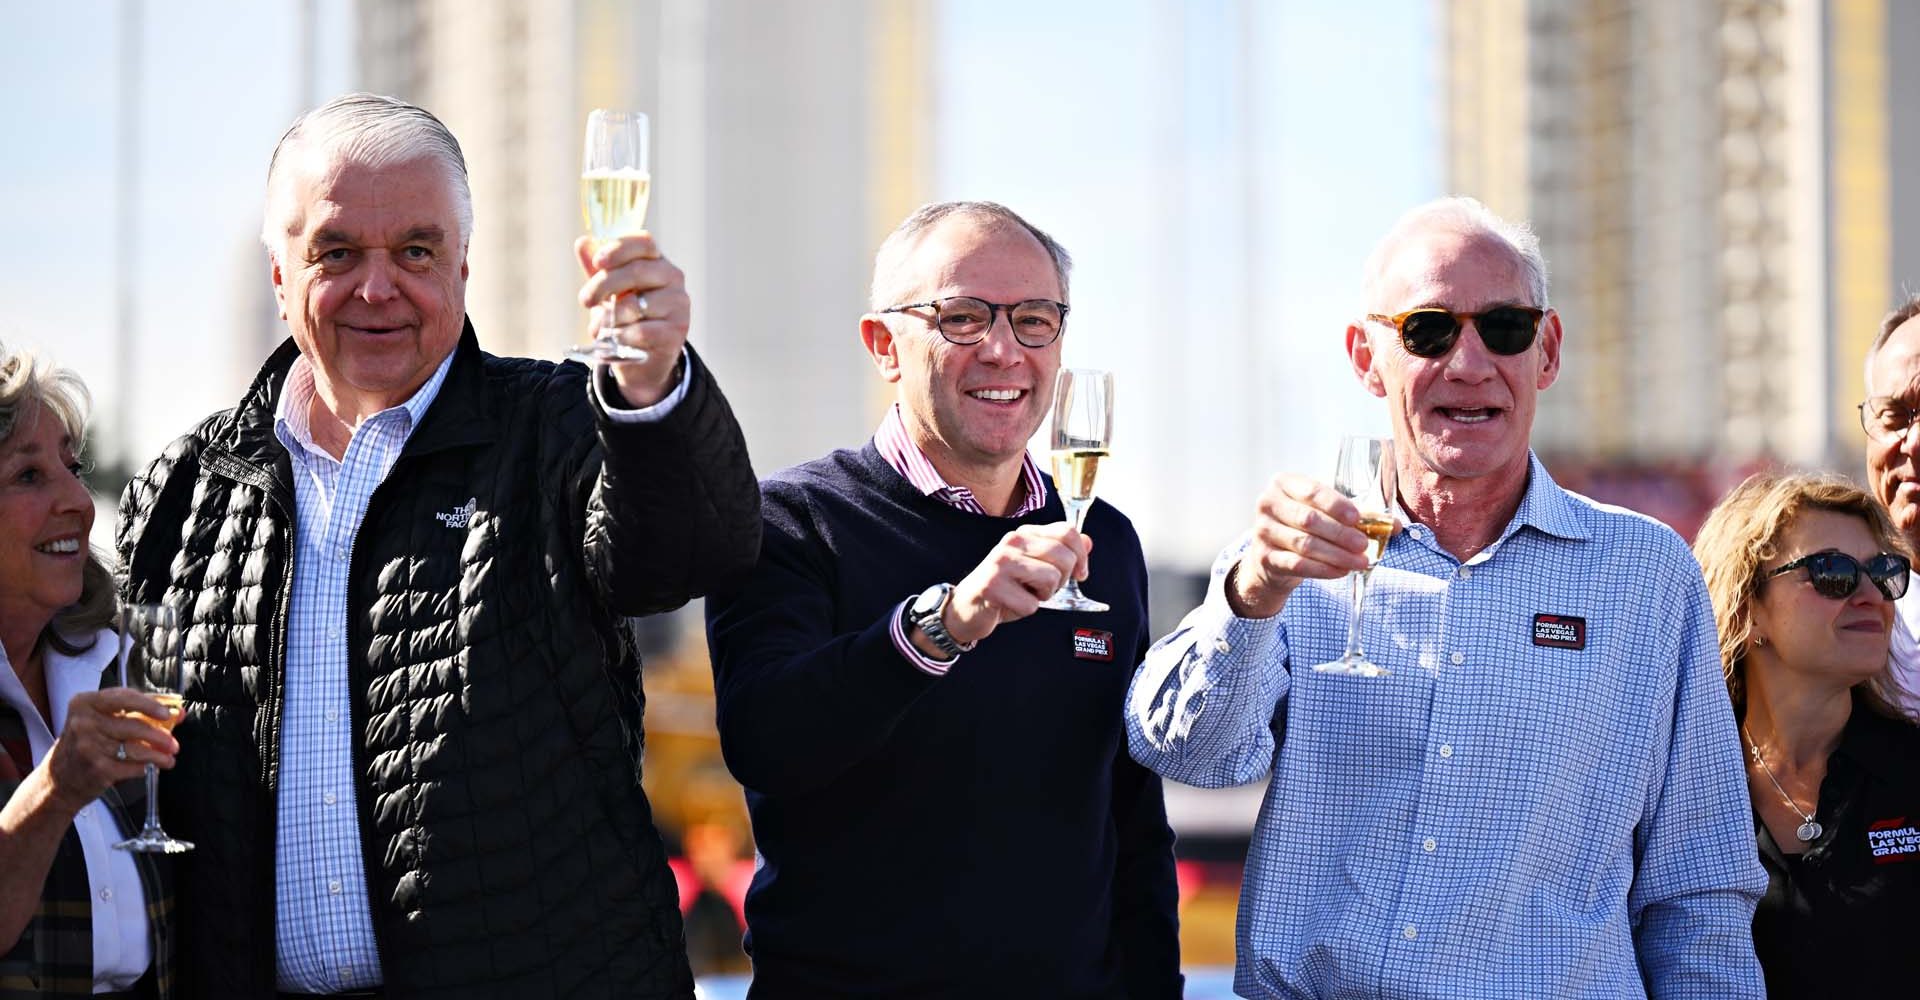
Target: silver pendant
[(1808, 832)]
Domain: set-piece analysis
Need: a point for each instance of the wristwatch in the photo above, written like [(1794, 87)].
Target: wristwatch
[(923, 613)]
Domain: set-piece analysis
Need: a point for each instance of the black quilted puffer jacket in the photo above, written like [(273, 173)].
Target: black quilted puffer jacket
[(496, 693)]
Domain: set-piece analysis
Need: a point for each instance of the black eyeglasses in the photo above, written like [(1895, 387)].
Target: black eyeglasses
[(1431, 333), (1885, 419), (1836, 575), (963, 319)]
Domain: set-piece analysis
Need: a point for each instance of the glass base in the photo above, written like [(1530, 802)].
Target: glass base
[(606, 349), (1353, 666), (1072, 602), (154, 842)]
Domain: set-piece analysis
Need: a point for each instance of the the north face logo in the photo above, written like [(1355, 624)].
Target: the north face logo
[(459, 516)]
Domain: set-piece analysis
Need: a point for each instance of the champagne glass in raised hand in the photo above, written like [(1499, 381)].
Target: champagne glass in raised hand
[(614, 187), (1082, 431), (150, 664), (1365, 476)]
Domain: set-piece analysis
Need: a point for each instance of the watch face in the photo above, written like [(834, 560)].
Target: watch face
[(930, 599)]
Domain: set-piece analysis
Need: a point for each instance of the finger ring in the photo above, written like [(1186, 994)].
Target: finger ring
[(641, 302), (120, 752)]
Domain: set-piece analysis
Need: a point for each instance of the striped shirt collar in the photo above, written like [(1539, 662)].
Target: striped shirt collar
[(898, 449), (293, 414)]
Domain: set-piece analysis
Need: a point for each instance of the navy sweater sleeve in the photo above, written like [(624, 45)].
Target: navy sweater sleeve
[(1146, 894), (797, 704)]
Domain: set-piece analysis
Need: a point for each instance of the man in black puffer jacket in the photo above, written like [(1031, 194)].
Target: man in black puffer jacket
[(411, 753)]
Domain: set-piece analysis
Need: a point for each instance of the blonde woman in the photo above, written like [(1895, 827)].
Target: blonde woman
[(1803, 571), (77, 918)]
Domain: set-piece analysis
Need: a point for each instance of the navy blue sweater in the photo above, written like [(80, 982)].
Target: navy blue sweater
[(978, 834)]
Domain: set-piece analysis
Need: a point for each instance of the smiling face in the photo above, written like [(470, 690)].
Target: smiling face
[(372, 282), (1468, 414), (46, 516), (1843, 642), (1893, 468), (970, 407)]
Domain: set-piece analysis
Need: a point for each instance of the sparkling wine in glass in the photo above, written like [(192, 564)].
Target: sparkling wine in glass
[(615, 184), (1082, 431), (1365, 475), (150, 664)]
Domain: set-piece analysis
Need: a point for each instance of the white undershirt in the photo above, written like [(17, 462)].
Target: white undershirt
[(1906, 649), (121, 948)]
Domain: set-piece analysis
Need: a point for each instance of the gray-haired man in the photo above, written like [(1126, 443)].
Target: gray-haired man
[(403, 566)]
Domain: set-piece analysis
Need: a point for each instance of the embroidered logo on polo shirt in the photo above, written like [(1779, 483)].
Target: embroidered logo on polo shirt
[(1092, 644), (459, 516), (1892, 840), (1560, 631)]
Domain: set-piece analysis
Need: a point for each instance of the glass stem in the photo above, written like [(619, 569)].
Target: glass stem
[(1353, 624), (153, 799), (1076, 515)]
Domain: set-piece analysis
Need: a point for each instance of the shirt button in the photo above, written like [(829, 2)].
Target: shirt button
[(1222, 645), (346, 972), (333, 633), (1429, 844), (1463, 573), (106, 894), (1446, 749), (327, 798), (334, 887), (1459, 657), (1409, 932), (332, 716)]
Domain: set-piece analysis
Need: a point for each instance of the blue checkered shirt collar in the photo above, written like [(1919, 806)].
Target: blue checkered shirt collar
[(292, 413)]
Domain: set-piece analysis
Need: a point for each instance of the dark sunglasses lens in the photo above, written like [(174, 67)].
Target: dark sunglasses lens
[(1508, 330), (1890, 572), (1429, 333), (1833, 574)]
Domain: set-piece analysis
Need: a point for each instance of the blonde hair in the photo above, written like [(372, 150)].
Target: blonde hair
[(1743, 533), (27, 382)]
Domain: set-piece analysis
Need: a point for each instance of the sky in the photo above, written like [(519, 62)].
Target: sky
[(1218, 168)]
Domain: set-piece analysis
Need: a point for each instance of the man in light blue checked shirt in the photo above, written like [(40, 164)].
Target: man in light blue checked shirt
[(1539, 793)]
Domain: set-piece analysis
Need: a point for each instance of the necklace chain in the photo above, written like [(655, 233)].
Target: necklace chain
[(1806, 817)]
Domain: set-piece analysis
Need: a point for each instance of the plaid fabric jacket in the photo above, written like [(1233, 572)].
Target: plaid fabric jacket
[(54, 956)]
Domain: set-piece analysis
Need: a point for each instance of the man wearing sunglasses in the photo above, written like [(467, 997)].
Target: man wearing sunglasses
[(938, 777), (1893, 467), (1542, 793)]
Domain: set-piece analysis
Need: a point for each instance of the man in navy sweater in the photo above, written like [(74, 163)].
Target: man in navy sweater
[(938, 777)]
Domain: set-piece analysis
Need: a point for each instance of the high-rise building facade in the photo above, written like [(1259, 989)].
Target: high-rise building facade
[(787, 139), (1717, 188)]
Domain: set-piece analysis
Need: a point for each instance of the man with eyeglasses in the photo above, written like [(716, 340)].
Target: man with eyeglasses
[(1893, 466), (938, 779), (1542, 795)]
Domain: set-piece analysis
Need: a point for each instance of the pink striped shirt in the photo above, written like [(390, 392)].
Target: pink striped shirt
[(898, 449)]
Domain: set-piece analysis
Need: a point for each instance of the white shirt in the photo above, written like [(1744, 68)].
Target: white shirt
[(323, 928), (122, 949), (1906, 649)]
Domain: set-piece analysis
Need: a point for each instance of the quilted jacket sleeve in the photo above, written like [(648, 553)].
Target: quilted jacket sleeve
[(676, 511)]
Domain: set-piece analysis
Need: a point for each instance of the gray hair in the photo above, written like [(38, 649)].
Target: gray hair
[(1893, 321), (1465, 217), (895, 249), (371, 130), (26, 382)]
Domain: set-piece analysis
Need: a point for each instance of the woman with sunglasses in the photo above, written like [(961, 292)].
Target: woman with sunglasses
[(1803, 571)]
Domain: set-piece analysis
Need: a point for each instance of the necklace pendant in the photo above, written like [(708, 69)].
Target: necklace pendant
[(1808, 832)]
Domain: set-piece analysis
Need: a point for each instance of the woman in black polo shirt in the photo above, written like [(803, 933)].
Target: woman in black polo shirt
[(1804, 571)]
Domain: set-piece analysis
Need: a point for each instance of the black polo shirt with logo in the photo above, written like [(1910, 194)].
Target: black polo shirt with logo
[(1843, 918)]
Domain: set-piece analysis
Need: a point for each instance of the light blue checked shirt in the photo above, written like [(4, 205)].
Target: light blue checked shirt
[(323, 927), (1498, 818)]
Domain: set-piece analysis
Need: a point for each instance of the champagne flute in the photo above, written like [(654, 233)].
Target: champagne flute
[(150, 664), (1082, 430), (614, 187), (1366, 475)]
